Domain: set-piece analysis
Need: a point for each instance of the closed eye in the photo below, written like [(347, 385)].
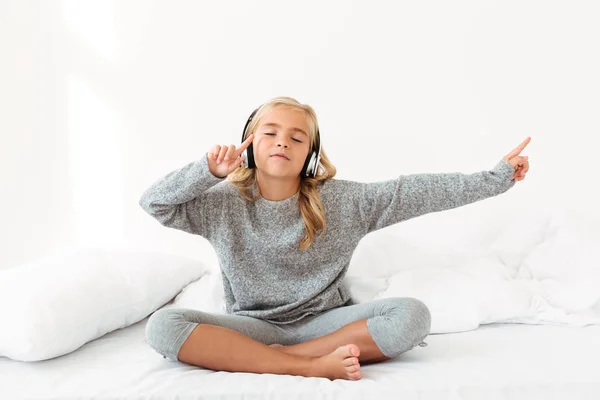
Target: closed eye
[(269, 134)]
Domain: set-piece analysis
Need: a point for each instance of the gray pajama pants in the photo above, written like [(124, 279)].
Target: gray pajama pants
[(395, 324)]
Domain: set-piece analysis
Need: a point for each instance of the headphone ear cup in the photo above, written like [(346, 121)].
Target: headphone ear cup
[(316, 166), (315, 157), (249, 156), (311, 165), (248, 153), (308, 169)]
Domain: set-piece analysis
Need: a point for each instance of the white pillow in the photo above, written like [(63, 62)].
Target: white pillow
[(567, 262), (204, 294), (462, 297), (382, 253), (447, 294), (54, 305), (521, 233)]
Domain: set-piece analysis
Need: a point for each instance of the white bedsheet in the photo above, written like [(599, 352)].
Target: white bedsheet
[(496, 361)]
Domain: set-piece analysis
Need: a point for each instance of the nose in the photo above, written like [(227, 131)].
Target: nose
[(282, 143)]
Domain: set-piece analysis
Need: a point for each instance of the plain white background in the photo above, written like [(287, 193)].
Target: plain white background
[(99, 99)]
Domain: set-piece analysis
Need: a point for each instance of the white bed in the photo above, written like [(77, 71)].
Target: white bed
[(515, 315), (496, 361)]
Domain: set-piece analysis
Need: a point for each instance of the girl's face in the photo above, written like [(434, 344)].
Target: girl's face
[(281, 130)]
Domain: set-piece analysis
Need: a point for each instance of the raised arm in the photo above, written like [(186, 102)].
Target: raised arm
[(179, 199), (182, 200)]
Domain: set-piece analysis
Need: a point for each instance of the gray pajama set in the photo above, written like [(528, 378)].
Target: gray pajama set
[(274, 291)]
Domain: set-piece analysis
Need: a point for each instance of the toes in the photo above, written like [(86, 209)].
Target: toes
[(350, 361), (352, 368), (353, 350), (354, 375)]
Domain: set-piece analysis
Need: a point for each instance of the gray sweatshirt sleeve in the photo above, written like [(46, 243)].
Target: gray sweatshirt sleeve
[(381, 204), (180, 199)]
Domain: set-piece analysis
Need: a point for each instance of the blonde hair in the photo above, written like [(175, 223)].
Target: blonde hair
[(311, 208)]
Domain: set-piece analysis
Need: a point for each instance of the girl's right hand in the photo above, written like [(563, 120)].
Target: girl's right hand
[(223, 160)]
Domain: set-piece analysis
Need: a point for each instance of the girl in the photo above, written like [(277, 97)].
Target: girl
[(284, 232)]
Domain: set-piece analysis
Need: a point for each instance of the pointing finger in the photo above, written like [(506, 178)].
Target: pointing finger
[(245, 144), (518, 149)]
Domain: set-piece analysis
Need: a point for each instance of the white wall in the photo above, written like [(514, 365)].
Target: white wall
[(100, 99)]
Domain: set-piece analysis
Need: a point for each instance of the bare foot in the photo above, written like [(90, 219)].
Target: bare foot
[(342, 363)]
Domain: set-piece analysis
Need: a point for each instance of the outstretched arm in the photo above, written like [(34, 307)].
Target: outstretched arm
[(381, 204)]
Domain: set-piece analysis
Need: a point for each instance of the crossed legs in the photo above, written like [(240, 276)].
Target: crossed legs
[(331, 344)]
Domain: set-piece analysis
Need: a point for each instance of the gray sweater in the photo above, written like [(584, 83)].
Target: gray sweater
[(265, 274)]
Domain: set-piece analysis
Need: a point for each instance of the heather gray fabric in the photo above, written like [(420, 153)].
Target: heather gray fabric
[(395, 324), (265, 274)]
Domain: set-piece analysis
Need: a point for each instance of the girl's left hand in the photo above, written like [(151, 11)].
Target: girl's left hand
[(519, 163)]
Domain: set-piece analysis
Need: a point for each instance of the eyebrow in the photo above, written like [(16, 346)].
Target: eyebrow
[(273, 124)]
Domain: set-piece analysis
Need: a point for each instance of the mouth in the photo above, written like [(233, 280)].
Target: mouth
[(280, 155)]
